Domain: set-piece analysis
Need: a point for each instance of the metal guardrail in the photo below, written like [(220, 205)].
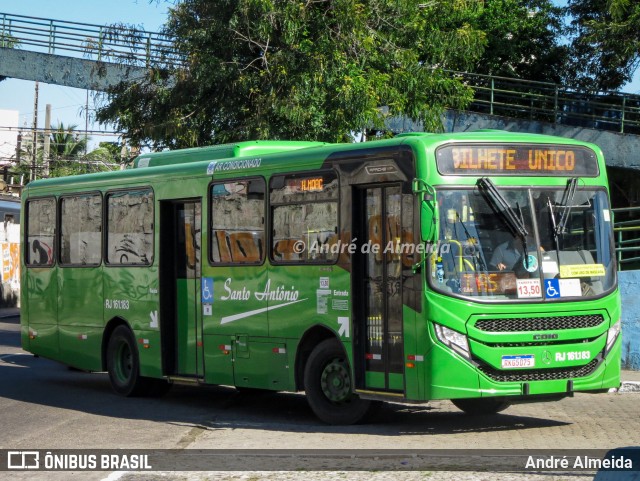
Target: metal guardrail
[(113, 43), (627, 235), (549, 102), (511, 97)]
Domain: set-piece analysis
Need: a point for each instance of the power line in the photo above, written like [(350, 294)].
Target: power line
[(54, 131)]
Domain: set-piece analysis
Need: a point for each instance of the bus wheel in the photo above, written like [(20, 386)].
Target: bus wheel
[(329, 388), (481, 406), (123, 363)]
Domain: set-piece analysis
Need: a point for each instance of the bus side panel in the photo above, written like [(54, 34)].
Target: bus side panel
[(42, 287), (218, 359), (131, 294), (150, 352), (414, 368), (262, 365), (80, 316), (80, 347)]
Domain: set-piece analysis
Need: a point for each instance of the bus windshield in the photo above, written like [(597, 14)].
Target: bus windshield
[(523, 243)]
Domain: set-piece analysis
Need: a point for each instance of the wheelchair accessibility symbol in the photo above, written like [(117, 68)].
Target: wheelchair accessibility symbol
[(207, 290), (552, 288)]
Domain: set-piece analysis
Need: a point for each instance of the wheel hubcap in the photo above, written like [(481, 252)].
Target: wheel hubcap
[(124, 362), (336, 381)]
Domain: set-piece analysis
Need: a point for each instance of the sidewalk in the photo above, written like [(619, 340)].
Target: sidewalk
[(630, 381)]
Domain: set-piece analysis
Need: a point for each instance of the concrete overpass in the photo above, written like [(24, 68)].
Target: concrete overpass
[(77, 54), (63, 70)]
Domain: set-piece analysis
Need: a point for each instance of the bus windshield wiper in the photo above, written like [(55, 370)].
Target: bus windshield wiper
[(515, 222), (566, 204)]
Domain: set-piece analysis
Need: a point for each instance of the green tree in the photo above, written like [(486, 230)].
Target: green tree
[(523, 39), (107, 156), (67, 147), (69, 157), (605, 43), (258, 69), (66, 155), (66, 143)]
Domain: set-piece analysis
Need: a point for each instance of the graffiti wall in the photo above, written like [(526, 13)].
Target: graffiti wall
[(10, 264)]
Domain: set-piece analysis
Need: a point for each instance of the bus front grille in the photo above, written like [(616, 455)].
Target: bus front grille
[(524, 324), (526, 375)]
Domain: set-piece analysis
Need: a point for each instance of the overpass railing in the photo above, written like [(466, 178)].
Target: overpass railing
[(549, 102), (113, 43), (627, 236)]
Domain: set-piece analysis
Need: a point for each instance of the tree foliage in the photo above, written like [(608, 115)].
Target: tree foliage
[(323, 69), (315, 69), (605, 43), (67, 155), (523, 39)]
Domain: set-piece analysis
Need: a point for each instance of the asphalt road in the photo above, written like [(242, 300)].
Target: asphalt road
[(44, 405)]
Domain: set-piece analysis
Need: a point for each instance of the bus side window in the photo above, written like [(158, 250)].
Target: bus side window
[(304, 217), (81, 229), (130, 227), (40, 232), (237, 222)]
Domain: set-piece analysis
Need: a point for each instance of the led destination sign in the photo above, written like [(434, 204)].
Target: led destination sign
[(536, 159), (313, 184)]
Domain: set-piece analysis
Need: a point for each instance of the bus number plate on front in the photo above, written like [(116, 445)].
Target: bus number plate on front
[(515, 362)]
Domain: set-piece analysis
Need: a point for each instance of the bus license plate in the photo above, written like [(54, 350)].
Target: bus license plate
[(515, 362)]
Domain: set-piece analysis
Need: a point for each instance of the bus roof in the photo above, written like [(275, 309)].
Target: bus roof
[(202, 159), (223, 151)]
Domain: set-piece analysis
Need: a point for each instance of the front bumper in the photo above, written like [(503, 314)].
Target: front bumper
[(448, 375)]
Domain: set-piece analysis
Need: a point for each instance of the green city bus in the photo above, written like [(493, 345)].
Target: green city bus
[(477, 267)]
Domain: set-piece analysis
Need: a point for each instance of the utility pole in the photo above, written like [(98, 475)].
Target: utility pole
[(35, 134), (47, 140), (86, 130), (18, 147)]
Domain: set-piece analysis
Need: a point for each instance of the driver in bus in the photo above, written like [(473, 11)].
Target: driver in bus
[(507, 254)]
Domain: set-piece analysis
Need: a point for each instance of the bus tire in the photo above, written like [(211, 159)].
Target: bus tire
[(329, 386), (481, 406), (123, 364)]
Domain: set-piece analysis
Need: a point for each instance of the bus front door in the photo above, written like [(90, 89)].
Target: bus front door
[(180, 285), (377, 279)]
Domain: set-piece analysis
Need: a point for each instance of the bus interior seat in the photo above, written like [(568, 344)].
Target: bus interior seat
[(245, 246)]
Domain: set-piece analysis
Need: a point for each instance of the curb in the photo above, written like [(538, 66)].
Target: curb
[(629, 387)]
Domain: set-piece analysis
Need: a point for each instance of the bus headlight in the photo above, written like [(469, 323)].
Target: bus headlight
[(453, 339), (612, 335)]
